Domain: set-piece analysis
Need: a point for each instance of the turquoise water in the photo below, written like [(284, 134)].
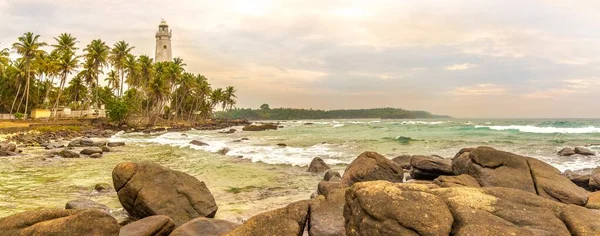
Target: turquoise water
[(340, 141)]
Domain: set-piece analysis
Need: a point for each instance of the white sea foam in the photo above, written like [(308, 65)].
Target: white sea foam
[(338, 125), (297, 156), (418, 122), (543, 130)]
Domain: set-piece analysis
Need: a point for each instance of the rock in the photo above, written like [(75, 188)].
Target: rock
[(330, 174), (567, 151), (370, 166), (594, 181), (317, 165), (289, 220), (244, 139), (230, 131), (150, 226), (115, 144), (204, 226), (198, 143), (8, 153), (9, 147), (327, 214), (91, 150), (96, 155), (403, 161), (86, 142), (324, 187), (427, 168), (384, 208), (103, 187), (82, 204), (282, 145), (60, 223), (100, 143), (593, 201), (105, 149), (584, 151), (456, 181), (577, 220), (54, 145), (223, 151), (493, 168), (66, 153), (261, 127), (147, 189)]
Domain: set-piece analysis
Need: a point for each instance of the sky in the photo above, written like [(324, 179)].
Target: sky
[(464, 58)]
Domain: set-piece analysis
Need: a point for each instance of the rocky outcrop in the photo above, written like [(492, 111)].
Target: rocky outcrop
[(429, 168), (327, 214), (493, 168), (261, 127), (384, 208), (82, 204), (147, 189), (584, 151), (159, 225), (317, 165), (370, 166), (289, 220), (567, 151), (91, 150), (204, 226), (456, 181), (60, 223), (198, 143)]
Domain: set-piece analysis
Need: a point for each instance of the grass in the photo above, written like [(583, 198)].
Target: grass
[(54, 128), (237, 190)]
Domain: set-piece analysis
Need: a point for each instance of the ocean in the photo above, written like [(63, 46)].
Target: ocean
[(340, 141)]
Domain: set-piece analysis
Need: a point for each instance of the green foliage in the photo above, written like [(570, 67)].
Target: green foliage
[(118, 110), (19, 115), (265, 107), (292, 114)]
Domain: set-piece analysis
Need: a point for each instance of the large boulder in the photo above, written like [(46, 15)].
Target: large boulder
[(317, 165), (289, 220), (456, 181), (91, 150), (159, 225), (327, 214), (260, 127), (370, 166), (584, 151), (429, 168), (493, 168), (82, 204), (147, 189), (385, 208), (60, 223), (594, 180), (567, 151), (330, 174), (205, 227), (403, 161), (9, 147)]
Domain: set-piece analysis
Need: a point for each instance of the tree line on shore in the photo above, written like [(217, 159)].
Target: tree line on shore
[(266, 113), (136, 86)]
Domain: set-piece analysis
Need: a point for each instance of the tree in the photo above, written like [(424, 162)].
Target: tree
[(65, 43), (265, 107), (113, 80), (229, 96), (67, 64), (96, 53), (29, 47), (117, 57)]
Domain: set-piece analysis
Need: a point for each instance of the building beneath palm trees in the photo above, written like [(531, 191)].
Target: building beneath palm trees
[(163, 43)]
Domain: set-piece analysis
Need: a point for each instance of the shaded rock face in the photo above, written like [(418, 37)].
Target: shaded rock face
[(204, 226), (567, 151), (324, 187), (594, 180), (9, 147), (327, 214), (289, 220), (66, 153), (370, 166), (317, 165), (90, 151), (261, 127), (456, 181), (428, 168), (96, 155), (105, 149), (159, 225), (81, 204), (403, 161), (330, 174), (493, 168), (584, 151), (115, 144), (198, 143), (384, 208), (147, 189), (59, 223)]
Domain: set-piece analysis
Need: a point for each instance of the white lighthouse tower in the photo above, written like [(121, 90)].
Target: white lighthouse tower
[(163, 43)]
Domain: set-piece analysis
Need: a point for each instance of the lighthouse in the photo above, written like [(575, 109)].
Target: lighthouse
[(163, 43)]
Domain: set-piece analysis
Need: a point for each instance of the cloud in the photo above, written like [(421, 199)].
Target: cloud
[(479, 90), (463, 66)]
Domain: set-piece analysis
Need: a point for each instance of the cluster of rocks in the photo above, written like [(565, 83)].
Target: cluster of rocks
[(8, 149), (481, 191), (260, 127), (569, 151), (41, 138), (84, 146)]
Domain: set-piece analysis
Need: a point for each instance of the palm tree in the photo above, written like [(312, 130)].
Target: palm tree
[(117, 57), (76, 90), (216, 97), (132, 68), (113, 80), (96, 53), (67, 64), (65, 43), (229, 96), (4, 59), (29, 47), (146, 73)]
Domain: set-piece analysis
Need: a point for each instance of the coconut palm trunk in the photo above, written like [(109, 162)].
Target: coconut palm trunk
[(15, 100), (60, 90), (27, 93)]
